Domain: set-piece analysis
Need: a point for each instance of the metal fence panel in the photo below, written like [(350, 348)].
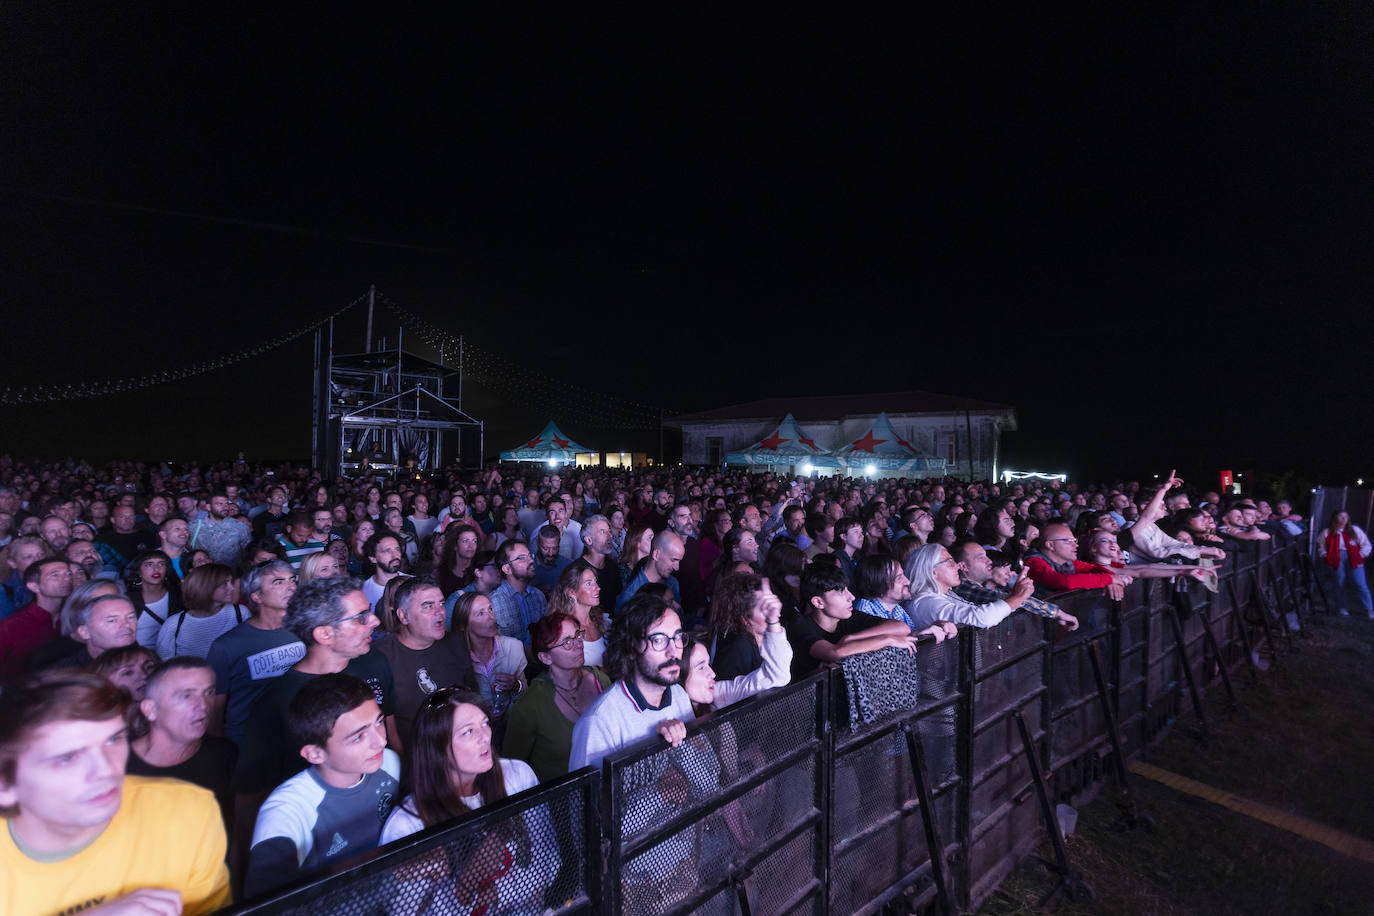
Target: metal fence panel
[(527, 855), (693, 817), (807, 799)]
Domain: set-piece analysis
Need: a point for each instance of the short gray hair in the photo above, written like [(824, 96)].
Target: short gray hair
[(592, 520), (318, 603), (77, 613), (253, 579)]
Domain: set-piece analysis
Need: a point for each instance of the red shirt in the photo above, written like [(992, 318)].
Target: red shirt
[(1084, 575), (22, 632)]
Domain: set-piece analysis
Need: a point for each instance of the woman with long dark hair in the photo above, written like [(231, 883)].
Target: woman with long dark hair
[(636, 551), (752, 653), (454, 570), (155, 593), (739, 553), (455, 770), (578, 595)]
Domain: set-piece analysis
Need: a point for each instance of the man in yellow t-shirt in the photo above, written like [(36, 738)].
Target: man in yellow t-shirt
[(80, 836)]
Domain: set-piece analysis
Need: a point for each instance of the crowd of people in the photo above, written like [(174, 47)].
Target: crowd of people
[(324, 666)]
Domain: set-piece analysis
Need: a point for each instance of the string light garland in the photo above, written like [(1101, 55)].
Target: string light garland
[(15, 395)]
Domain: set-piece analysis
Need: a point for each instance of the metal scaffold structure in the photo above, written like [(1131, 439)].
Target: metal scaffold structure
[(385, 410)]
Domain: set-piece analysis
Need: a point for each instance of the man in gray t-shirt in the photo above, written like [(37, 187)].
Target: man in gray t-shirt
[(424, 656)]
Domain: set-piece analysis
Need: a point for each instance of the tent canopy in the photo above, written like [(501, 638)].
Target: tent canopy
[(788, 446), (549, 445), (883, 450)]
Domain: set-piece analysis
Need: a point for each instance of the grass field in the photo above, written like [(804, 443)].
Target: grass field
[(1301, 741)]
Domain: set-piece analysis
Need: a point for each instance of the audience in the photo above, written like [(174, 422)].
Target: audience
[(292, 680)]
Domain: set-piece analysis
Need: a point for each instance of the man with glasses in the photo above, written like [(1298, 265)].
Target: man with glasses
[(1055, 566), (334, 620), (644, 655), (514, 604), (423, 654)]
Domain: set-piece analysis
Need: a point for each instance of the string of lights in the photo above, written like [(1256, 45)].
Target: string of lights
[(13, 395), (529, 386)]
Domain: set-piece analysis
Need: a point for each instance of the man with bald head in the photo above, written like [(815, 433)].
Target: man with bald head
[(665, 555), (1054, 566)]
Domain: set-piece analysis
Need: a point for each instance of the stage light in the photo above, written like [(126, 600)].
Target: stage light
[(871, 470), (807, 469)]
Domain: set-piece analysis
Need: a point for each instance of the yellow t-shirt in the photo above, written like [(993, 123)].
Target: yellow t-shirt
[(167, 834)]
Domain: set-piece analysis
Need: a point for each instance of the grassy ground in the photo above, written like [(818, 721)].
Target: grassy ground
[(1302, 741)]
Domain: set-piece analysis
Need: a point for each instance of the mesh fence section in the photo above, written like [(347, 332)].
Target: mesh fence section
[(1008, 639), (709, 850), (785, 882), (528, 861), (693, 783), (999, 765), (1003, 690), (878, 835)]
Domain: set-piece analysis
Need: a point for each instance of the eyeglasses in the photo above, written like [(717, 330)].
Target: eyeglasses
[(948, 560), (570, 641), (1052, 540), (659, 641), (358, 617)]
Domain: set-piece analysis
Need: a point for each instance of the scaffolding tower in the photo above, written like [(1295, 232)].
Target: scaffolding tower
[(385, 412)]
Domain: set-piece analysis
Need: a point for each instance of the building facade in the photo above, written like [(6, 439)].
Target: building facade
[(966, 433)]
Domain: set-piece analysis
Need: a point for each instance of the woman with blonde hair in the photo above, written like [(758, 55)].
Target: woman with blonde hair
[(322, 565)]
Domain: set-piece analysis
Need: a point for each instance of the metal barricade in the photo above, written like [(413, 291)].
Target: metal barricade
[(1005, 669), (896, 786), (928, 778), (536, 852), (731, 817)]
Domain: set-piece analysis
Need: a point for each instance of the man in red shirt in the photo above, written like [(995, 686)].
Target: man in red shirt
[(37, 622), (1055, 567)]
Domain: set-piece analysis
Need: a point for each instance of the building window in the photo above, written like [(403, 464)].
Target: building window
[(945, 448), (715, 451)]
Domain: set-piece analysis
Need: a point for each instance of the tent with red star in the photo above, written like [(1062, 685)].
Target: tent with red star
[(549, 445), (882, 450), (787, 445)]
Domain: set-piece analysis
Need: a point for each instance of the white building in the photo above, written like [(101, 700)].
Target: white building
[(963, 431)]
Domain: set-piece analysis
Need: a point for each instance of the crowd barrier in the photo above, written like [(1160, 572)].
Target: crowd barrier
[(829, 795)]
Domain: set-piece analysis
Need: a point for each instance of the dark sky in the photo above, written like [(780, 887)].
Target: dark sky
[(1147, 229)]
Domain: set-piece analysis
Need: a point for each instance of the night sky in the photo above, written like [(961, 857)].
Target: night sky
[(1147, 229)]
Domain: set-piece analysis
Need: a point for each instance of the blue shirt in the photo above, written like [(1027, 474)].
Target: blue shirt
[(515, 611), (638, 582)]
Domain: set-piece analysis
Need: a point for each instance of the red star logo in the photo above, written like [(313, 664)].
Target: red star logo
[(534, 442), (561, 443), (809, 443), (773, 441), (867, 442), (901, 441)]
